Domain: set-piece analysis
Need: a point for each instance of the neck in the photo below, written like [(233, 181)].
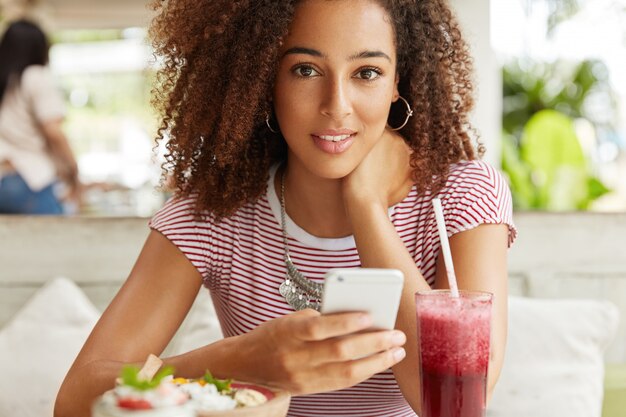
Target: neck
[(315, 204)]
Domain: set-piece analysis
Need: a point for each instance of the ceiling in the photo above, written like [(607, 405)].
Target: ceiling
[(81, 14)]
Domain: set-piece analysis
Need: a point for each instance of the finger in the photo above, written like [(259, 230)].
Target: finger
[(356, 346), (307, 312), (340, 375), (311, 328)]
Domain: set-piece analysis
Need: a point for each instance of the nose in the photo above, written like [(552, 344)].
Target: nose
[(336, 103)]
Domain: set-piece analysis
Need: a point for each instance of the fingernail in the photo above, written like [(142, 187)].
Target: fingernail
[(398, 337), (399, 354)]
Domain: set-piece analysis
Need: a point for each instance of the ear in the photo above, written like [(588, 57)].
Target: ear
[(396, 93)]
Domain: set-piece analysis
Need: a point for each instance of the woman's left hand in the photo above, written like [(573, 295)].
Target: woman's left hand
[(384, 175)]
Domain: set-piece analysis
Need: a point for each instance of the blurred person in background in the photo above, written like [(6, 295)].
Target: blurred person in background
[(35, 155)]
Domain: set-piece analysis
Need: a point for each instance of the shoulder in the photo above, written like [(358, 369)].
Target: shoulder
[(35, 76), (201, 237), (474, 174), (476, 193), (40, 87), (466, 180), (177, 221), (470, 182), (180, 213)]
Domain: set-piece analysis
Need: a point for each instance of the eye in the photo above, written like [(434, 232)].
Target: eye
[(369, 74), (305, 71)]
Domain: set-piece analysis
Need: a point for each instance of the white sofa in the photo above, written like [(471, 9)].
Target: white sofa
[(555, 352)]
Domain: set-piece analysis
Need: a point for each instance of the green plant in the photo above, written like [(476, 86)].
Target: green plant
[(549, 169), (541, 153)]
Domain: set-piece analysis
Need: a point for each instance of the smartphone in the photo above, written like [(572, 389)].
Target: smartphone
[(375, 291)]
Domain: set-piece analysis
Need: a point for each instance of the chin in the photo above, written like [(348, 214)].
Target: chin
[(331, 170), (321, 165)]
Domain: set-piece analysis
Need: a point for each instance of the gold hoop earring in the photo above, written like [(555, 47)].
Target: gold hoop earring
[(267, 122), (409, 113)]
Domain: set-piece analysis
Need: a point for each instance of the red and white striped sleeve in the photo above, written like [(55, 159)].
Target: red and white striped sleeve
[(176, 221), (476, 193)]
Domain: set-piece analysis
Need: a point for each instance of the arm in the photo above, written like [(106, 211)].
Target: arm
[(379, 246), (480, 262), (302, 352), (479, 255), (62, 152), (140, 320), (382, 179)]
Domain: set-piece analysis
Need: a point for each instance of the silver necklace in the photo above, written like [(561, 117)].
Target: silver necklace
[(299, 291)]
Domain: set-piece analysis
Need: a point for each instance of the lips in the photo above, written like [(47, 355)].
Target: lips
[(333, 133), (333, 138), (333, 144)]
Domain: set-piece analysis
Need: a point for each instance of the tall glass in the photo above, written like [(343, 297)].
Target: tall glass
[(453, 338)]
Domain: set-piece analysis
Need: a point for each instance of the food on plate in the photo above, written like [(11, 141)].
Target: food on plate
[(153, 391), (209, 393)]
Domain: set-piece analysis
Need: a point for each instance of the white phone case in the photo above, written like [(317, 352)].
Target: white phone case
[(376, 291)]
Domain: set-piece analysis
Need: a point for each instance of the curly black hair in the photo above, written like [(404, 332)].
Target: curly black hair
[(219, 148)]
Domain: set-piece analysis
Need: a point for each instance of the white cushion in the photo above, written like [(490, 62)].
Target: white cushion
[(39, 345), (554, 358)]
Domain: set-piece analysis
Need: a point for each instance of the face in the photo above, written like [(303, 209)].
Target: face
[(335, 84)]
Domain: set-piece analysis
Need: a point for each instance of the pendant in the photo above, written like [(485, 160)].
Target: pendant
[(285, 288), (296, 289), (297, 299)]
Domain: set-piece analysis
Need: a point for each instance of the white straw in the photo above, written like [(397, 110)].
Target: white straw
[(445, 246)]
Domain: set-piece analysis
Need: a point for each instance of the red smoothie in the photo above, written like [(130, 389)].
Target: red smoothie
[(453, 337)]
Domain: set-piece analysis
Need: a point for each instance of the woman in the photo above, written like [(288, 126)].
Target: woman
[(34, 152), (316, 131)]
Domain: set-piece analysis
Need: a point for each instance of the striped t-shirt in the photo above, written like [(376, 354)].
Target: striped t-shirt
[(241, 261)]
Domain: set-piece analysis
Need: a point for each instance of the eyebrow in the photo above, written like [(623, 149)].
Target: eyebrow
[(370, 54), (306, 51), (314, 52)]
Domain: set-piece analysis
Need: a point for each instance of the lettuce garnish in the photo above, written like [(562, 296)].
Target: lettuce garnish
[(130, 377), (222, 385)]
